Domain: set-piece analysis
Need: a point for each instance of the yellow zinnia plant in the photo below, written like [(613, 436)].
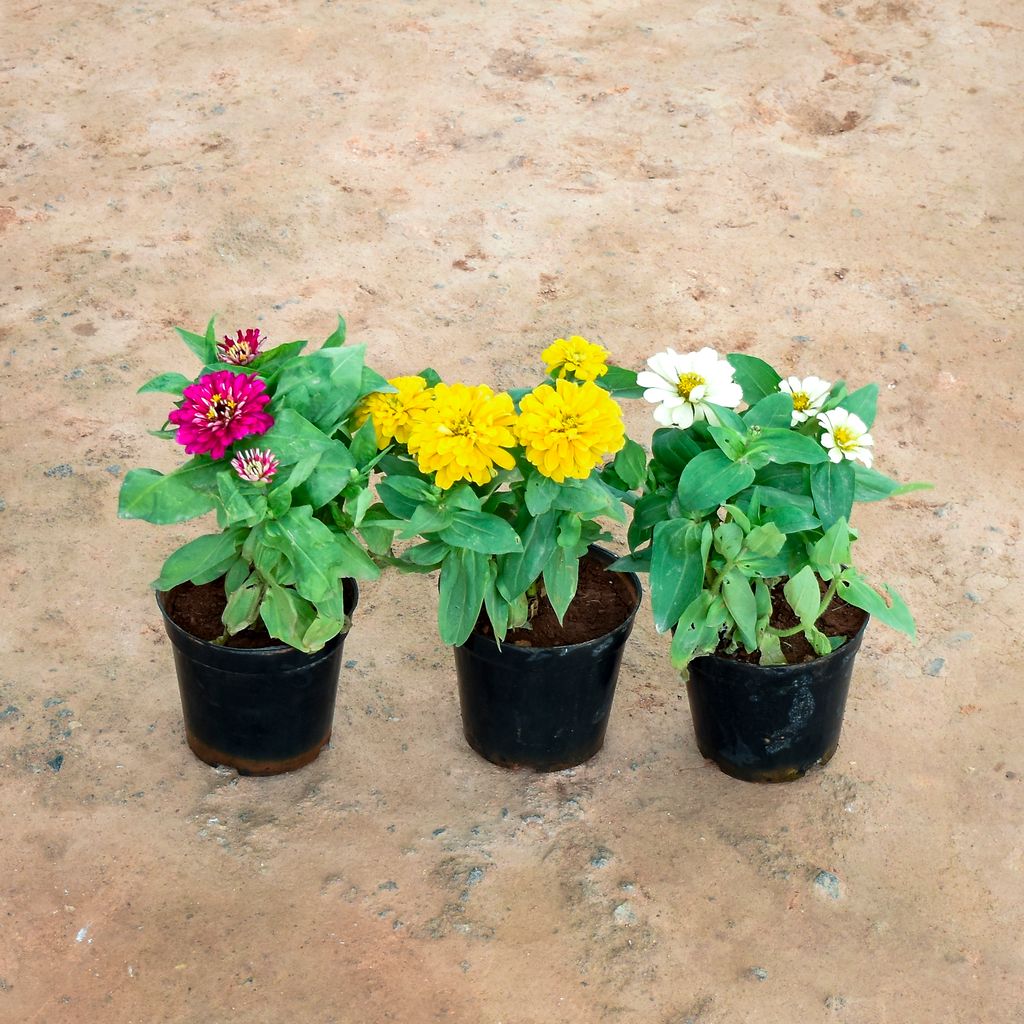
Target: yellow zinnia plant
[(504, 491)]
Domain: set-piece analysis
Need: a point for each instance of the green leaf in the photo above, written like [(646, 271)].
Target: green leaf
[(728, 540), (790, 519), (429, 553), (853, 590), (620, 382), (237, 575), (561, 577), (286, 615), (870, 485), (243, 608), (429, 519), (271, 361), (172, 383), (631, 464), (739, 599), (197, 559), (771, 650), (184, 494), (325, 386), (541, 491), (647, 513), (590, 498), (765, 540), (638, 562), (309, 546), (495, 605), (349, 559), (204, 346), (804, 595), (863, 403), (673, 448), (697, 629), (363, 446), (710, 479), (754, 376), (789, 479), (832, 486), (516, 572), (431, 376), (726, 417), (832, 550), (480, 531), (402, 495), (333, 472), (293, 438), (774, 410), (337, 339), (463, 576), (321, 629), (679, 556), (730, 441), (784, 446), (243, 504)]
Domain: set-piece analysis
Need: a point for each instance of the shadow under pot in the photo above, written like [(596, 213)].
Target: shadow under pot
[(771, 723), (259, 710), (545, 708)]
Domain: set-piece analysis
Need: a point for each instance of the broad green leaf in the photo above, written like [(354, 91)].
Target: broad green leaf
[(309, 546), (481, 532), (242, 504), (429, 553), (648, 512), (561, 576), (673, 448), (791, 479), (243, 608), (775, 410), (631, 464), (570, 527), (765, 540), (237, 575), (349, 559), (321, 629), (334, 470), (540, 492), (293, 438), (776, 497), (198, 558), (832, 486), (620, 382), (495, 605), (785, 446), (172, 498), (590, 498), (363, 446), (726, 418), (323, 387), (832, 549), (694, 632), (870, 485), (429, 519), (640, 561), (402, 495), (516, 572), (863, 403), (678, 559), (789, 519), (172, 383), (710, 479), (804, 596), (853, 590), (771, 650), (203, 346), (754, 376), (463, 576), (739, 599), (273, 359), (730, 441), (286, 615), (728, 540)]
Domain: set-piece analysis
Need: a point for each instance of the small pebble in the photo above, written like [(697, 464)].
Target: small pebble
[(802, 338), (624, 914), (56, 762), (935, 666), (972, 597), (351, 663), (759, 973), (3, 505), (904, 347), (439, 831), (114, 470), (52, 702), (828, 884), (835, 1003), (602, 858), (389, 884), (60, 472), (475, 875), (9, 712), (76, 374)]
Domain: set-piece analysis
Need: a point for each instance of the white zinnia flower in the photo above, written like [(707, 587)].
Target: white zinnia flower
[(681, 385), (846, 436), (808, 396)]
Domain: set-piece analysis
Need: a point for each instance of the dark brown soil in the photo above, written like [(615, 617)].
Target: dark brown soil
[(198, 611), (603, 601), (840, 619)]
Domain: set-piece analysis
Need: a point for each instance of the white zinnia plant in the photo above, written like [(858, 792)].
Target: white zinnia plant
[(682, 384), (846, 437), (809, 395)]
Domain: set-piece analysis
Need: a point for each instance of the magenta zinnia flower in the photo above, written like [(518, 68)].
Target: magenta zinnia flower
[(218, 410), (241, 350), (257, 465)]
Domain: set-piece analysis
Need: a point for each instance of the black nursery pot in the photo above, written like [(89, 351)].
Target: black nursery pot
[(261, 710), (544, 708), (770, 723)]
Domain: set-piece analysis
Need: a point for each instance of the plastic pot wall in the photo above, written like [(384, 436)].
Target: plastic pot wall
[(544, 708), (262, 711), (770, 723)]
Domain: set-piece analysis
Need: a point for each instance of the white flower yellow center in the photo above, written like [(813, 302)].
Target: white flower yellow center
[(846, 438), (801, 401), (687, 382)]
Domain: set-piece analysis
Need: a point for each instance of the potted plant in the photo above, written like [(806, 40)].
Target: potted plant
[(503, 493), (744, 528), (257, 611)]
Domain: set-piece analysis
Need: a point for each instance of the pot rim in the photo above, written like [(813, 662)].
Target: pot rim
[(852, 644), (626, 623), (279, 648)]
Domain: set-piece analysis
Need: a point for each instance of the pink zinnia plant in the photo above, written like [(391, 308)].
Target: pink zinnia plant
[(218, 410), (257, 465), (242, 350)]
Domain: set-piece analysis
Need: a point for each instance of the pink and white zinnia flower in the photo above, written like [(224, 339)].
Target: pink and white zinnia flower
[(808, 396), (218, 410), (240, 351), (681, 385), (846, 437), (257, 465)]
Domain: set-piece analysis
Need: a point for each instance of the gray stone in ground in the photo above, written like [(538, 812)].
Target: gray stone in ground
[(828, 884), (60, 472), (935, 666)]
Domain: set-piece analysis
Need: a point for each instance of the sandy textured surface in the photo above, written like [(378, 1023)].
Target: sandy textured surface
[(836, 186)]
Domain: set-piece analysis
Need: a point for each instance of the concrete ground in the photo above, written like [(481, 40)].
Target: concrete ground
[(836, 186)]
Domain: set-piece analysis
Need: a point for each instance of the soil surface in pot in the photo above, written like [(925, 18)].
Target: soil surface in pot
[(198, 611), (840, 619), (603, 601)]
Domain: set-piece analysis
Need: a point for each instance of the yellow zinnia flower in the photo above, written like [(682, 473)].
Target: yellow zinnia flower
[(393, 413), (577, 356), (568, 429), (464, 434)]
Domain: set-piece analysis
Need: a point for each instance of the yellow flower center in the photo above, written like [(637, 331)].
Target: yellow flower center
[(687, 382), (222, 407), (845, 438), (801, 400)]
